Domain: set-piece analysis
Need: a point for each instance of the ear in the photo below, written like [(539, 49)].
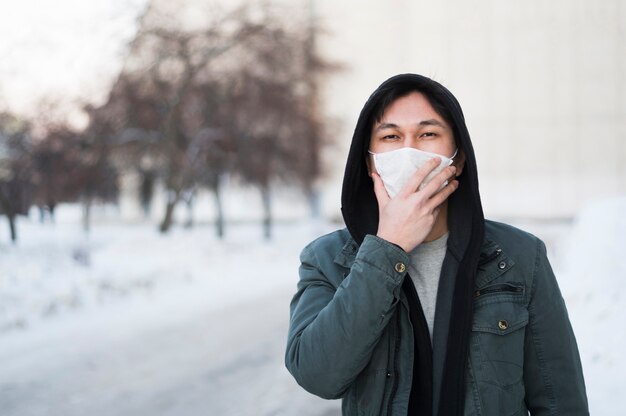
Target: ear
[(459, 162)]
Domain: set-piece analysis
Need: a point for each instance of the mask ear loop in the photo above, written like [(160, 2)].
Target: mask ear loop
[(454, 155)]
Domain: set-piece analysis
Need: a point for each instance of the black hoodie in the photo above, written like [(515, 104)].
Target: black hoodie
[(465, 223)]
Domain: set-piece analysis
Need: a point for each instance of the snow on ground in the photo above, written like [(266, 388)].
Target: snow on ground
[(55, 269), (131, 322), (127, 278)]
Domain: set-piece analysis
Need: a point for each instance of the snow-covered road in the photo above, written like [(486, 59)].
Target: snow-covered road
[(130, 322), (224, 362)]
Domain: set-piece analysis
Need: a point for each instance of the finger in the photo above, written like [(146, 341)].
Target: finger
[(379, 189), (418, 177), (442, 195), (438, 181)]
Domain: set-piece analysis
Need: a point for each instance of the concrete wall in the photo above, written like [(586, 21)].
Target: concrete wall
[(542, 85)]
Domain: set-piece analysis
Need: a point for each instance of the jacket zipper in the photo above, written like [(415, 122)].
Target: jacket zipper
[(394, 375), (496, 289)]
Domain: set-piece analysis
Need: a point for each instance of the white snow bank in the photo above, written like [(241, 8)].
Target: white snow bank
[(592, 276), (55, 269)]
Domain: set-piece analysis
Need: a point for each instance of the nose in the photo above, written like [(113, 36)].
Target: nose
[(410, 141)]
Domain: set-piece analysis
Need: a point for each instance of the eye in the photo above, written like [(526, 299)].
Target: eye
[(391, 137), (429, 134)]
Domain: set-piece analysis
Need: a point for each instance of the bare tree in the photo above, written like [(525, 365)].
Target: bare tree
[(15, 170), (70, 165), (232, 98), (53, 164), (272, 111), (97, 178), (156, 90)]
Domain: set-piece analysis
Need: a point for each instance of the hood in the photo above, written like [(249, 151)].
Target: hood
[(465, 220), (358, 201)]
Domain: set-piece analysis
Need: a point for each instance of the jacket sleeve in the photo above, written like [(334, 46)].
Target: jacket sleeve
[(553, 374), (332, 333)]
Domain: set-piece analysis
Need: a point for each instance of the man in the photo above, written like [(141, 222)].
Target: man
[(421, 306)]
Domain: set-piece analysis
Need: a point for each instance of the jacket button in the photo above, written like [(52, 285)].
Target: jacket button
[(400, 267), (502, 324), (502, 265), (388, 375)]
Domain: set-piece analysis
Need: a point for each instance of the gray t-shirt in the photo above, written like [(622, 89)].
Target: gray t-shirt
[(425, 269)]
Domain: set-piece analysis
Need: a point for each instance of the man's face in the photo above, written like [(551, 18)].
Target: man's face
[(411, 121)]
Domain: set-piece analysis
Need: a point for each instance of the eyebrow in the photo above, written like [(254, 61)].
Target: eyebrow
[(430, 122)]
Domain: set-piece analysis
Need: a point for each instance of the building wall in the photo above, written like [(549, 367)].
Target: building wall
[(542, 85)]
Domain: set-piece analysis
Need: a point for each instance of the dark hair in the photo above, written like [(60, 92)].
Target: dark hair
[(432, 95)]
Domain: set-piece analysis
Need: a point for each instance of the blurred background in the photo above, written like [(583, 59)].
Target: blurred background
[(162, 164)]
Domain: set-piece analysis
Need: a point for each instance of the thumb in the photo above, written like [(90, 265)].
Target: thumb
[(379, 189)]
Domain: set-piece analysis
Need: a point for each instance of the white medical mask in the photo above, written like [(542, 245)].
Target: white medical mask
[(397, 166)]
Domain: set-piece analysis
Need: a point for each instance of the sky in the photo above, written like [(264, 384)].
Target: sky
[(62, 50)]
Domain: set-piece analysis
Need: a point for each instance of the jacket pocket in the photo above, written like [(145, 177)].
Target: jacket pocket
[(498, 337), (501, 289), (370, 387), (497, 349), (369, 392)]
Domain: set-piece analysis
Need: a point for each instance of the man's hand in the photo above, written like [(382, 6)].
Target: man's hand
[(408, 218)]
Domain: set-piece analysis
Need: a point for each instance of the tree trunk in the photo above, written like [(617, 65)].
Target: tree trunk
[(11, 219), (189, 203), (146, 208), (313, 197), (87, 215), (172, 200), (267, 213), (146, 191), (219, 209), (51, 207)]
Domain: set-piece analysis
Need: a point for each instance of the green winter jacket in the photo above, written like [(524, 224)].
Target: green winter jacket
[(350, 335)]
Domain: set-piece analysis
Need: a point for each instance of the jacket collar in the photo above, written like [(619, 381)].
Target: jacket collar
[(493, 262)]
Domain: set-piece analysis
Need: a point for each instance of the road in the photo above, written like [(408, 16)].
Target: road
[(222, 362)]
